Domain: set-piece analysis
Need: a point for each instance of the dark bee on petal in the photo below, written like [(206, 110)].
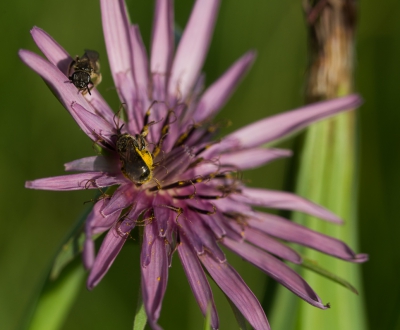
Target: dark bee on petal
[(85, 71), (136, 160)]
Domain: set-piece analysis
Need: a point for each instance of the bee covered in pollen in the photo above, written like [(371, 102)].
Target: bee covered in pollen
[(85, 71)]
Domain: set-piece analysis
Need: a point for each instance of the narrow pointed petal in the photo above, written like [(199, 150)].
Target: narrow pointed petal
[(162, 214), (279, 126), (281, 228), (95, 223), (192, 48), (187, 230), (133, 106), (162, 43), (116, 35), (237, 291), (140, 63), (52, 50), (123, 197), (197, 280), (147, 245), (215, 97), (112, 244), (275, 269), (109, 250), (93, 164), (62, 60), (271, 245), (100, 223), (119, 49), (100, 105), (207, 238), (97, 128), (91, 180), (214, 225), (284, 201), (252, 158), (154, 275)]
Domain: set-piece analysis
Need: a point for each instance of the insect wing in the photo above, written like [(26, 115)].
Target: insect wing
[(93, 58)]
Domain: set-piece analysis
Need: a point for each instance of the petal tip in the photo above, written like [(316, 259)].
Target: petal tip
[(361, 257), (354, 100), (251, 55), (35, 29), (21, 53)]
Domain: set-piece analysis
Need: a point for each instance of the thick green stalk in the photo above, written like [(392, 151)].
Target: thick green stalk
[(328, 171)]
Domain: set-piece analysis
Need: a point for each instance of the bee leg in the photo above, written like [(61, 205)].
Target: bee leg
[(146, 124), (158, 187), (204, 211), (191, 196), (164, 133)]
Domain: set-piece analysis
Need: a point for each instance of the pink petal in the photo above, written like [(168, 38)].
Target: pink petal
[(116, 35), (60, 58), (97, 128), (207, 238), (192, 49), (197, 280), (237, 291), (134, 107), (119, 49), (91, 180), (252, 158), (275, 269), (162, 44), (100, 105), (293, 232), (124, 196), (163, 214), (147, 245), (112, 244), (213, 223), (109, 250), (154, 275), (52, 50), (95, 223), (187, 230), (140, 63), (284, 201), (215, 97), (100, 223), (271, 245), (93, 164), (278, 126)]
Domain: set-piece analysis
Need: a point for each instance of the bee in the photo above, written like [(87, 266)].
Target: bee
[(136, 160), (86, 71)]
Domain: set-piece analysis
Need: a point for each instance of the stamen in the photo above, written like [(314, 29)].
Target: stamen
[(209, 145), (191, 196), (186, 135), (203, 211)]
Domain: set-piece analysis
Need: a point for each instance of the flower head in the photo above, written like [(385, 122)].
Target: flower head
[(171, 176)]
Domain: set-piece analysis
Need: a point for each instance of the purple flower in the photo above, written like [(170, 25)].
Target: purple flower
[(171, 176)]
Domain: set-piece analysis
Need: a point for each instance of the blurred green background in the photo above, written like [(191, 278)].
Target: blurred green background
[(39, 136)]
